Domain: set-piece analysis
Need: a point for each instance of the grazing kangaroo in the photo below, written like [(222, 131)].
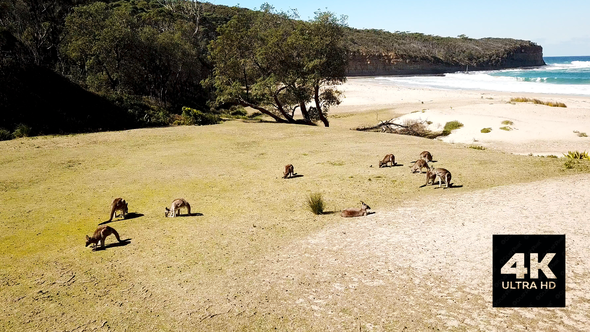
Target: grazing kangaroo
[(418, 165), (356, 212), (289, 171), (426, 156), (118, 204), (100, 234), (174, 209), (440, 174), (388, 159)]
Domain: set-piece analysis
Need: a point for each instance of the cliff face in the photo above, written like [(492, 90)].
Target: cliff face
[(374, 64)]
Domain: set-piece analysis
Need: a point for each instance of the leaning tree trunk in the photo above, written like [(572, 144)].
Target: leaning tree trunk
[(318, 107)]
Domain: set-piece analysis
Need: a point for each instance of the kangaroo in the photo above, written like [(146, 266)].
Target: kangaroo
[(100, 234), (174, 209), (426, 156), (440, 174), (118, 204), (388, 159), (418, 165), (289, 171), (356, 212)]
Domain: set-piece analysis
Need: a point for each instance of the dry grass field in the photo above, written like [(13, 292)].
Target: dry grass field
[(208, 271)]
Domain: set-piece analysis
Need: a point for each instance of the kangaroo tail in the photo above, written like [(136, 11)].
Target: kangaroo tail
[(188, 206), (116, 234), (112, 212)]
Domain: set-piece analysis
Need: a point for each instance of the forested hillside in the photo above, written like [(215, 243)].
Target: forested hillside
[(82, 65)]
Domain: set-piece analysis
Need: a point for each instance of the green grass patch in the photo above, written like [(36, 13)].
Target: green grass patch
[(450, 126), (506, 128), (486, 130), (507, 123), (477, 147)]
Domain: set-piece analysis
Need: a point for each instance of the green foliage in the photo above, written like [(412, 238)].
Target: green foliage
[(506, 128), (316, 203), (450, 126), (5, 134), (507, 122), (577, 164), (191, 116), (477, 147), (486, 130), (580, 134), (277, 65), (22, 130), (577, 155)]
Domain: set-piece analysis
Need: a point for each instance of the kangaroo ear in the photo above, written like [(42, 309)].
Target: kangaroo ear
[(87, 238)]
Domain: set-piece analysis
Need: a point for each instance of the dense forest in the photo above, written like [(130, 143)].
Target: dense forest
[(70, 66)]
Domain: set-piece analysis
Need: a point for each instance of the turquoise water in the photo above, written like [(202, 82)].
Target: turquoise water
[(559, 70), (561, 75)]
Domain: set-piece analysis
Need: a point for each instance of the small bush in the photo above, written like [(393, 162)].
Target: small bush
[(316, 203), (22, 130), (507, 122), (552, 156), (537, 101), (506, 128), (450, 126), (577, 155), (191, 116), (580, 165), (237, 111), (580, 134), (486, 130), (477, 147), (5, 135)]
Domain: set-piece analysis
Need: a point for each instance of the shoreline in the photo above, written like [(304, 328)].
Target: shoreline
[(536, 129)]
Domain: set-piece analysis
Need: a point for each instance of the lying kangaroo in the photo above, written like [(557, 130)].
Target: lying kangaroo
[(440, 174), (426, 156), (174, 209), (418, 165), (388, 159), (118, 204), (356, 212), (100, 234), (289, 171)]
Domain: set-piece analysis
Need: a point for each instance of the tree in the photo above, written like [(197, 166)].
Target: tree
[(276, 64)]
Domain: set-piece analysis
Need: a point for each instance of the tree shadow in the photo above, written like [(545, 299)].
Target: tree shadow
[(131, 215), (113, 245)]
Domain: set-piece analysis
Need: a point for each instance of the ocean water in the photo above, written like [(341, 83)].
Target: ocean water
[(561, 75)]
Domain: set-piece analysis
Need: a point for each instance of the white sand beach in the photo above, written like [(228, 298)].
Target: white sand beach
[(536, 129)]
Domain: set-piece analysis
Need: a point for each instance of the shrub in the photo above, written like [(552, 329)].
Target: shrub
[(5, 134), (191, 116), (580, 134), (237, 111), (537, 101), (486, 130), (477, 147), (577, 155), (22, 130), (507, 122), (506, 128), (450, 126), (316, 203)]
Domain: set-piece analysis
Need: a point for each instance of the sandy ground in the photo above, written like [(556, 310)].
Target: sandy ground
[(427, 265), (536, 129)]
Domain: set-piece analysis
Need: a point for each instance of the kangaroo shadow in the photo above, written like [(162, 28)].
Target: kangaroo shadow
[(330, 212), (113, 245), (195, 214), (295, 176), (370, 212), (131, 215)]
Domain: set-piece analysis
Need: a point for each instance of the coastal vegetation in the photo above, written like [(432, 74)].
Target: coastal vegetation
[(537, 101), (83, 66), (486, 130), (450, 126)]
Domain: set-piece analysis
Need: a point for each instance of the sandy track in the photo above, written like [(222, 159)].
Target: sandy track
[(428, 264)]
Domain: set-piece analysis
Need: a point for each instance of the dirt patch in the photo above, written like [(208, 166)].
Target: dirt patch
[(428, 264)]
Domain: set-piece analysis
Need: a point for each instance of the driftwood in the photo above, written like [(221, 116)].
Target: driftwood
[(382, 126)]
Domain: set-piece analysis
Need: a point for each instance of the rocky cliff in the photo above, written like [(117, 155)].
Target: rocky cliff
[(376, 52)]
